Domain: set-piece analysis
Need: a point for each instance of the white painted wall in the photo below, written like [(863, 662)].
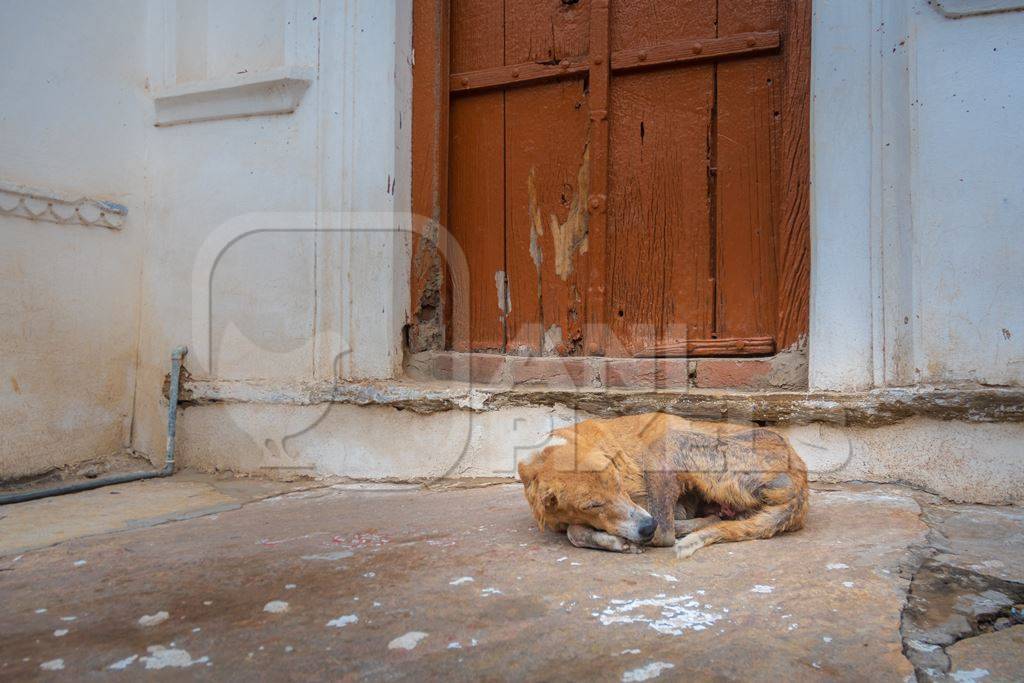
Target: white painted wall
[(917, 196), (72, 102), (917, 242), (312, 297), (88, 316)]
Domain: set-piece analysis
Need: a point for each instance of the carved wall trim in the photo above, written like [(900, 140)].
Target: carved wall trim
[(956, 9), (57, 207), (275, 91)]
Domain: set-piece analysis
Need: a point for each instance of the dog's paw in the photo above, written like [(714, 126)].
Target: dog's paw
[(621, 545), (688, 545)]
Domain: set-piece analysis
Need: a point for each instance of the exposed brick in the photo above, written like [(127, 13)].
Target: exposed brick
[(552, 372), (647, 373), (719, 373), (479, 368)]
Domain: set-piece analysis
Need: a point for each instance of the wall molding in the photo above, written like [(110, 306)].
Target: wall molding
[(957, 9), (274, 91), (57, 207)]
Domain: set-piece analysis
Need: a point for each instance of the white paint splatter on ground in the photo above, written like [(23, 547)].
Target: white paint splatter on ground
[(969, 676), (343, 621), (276, 607), (631, 651), (759, 588), (289, 586), (60, 632), (848, 584), (52, 665), (80, 563), (68, 618), (562, 559), (832, 566), (369, 575), (490, 591), (644, 673), (153, 619), (122, 664), (407, 641), (161, 657), (667, 577), (826, 639), (461, 580), (670, 615), (330, 557), (41, 610), (455, 645)]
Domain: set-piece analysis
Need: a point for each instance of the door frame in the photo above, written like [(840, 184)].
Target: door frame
[(432, 295)]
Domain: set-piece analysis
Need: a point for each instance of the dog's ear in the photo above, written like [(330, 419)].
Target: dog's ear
[(526, 472)]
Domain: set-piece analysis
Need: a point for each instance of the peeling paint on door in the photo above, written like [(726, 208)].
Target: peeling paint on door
[(570, 236), (501, 284)]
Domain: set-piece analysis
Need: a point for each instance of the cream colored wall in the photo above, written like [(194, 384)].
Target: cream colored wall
[(284, 218), (72, 107), (917, 240)]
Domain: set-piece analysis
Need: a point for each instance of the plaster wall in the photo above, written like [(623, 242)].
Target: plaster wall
[(917, 194), (305, 286), (916, 237), (72, 107), (975, 462)]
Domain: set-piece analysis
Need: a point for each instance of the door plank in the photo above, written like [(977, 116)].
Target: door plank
[(546, 182), (747, 128), (658, 252), (476, 188)]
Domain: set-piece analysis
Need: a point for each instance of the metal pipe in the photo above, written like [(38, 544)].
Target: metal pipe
[(172, 421)]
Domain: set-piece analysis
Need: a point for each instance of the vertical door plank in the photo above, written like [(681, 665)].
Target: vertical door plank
[(476, 187), (599, 149), (746, 219), (792, 176), (546, 182), (547, 192), (658, 250)]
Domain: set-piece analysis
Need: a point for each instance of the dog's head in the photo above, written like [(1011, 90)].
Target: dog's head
[(575, 484)]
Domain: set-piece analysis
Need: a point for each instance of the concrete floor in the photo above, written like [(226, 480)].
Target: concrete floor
[(198, 577)]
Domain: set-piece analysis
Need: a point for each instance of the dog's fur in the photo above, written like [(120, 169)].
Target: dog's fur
[(612, 480)]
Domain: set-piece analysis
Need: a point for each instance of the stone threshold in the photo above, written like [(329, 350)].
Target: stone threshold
[(873, 408), (784, 370)]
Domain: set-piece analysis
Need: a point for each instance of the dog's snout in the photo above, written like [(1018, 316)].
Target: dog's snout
[(647, 529)]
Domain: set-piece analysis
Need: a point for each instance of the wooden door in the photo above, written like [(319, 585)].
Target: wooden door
[(624, 177)]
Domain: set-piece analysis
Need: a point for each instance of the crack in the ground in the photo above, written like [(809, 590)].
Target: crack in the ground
[(946, 604)]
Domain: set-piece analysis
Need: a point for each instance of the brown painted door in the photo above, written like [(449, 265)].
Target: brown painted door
[(628, 177)]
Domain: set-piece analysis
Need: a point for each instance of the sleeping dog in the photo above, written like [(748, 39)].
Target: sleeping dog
[(651, 479)]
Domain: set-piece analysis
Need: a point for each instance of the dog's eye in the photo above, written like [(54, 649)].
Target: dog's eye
[(593, 504)]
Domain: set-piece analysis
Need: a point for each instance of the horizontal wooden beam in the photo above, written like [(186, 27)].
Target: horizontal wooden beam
[(748, 346), (665, 54), (517, 74), (682, 51)]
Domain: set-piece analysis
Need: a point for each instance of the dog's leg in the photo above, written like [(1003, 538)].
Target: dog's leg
[(662, 497), (587, 537), (688, 526), (765, 523)]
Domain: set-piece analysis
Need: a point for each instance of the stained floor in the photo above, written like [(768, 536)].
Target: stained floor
[(208, 579)]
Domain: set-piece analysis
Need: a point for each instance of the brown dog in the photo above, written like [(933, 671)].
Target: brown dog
[(647, 479)]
